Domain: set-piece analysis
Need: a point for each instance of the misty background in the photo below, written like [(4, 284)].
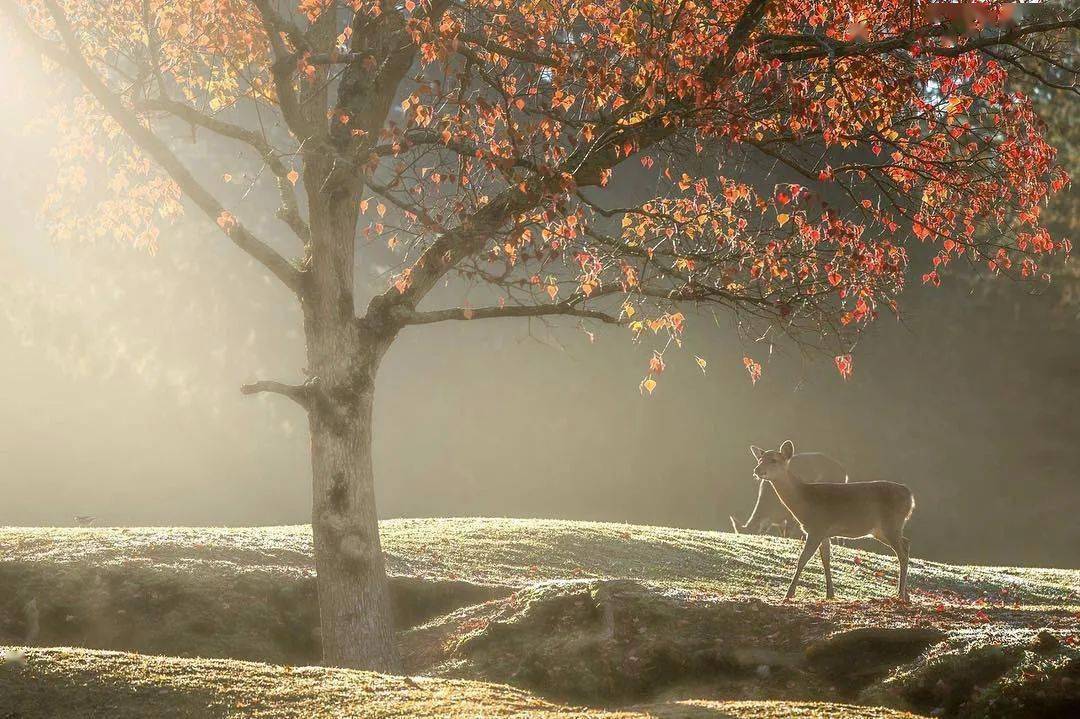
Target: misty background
[(121, 398)]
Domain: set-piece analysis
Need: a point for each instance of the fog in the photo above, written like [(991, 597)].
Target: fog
[(121, 400)]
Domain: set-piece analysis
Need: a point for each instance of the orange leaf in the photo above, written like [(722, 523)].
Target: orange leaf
[(843, 365), (656, 364), (226, 220), (293, 176), (753, 368)]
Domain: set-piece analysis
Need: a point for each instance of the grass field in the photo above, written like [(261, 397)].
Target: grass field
[(607, 615), (521, 552)]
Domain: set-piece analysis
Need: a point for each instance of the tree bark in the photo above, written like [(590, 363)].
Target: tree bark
[(354, 601), (343, 358)]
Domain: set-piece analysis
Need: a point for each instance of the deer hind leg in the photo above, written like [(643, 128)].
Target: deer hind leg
[(900, 546), (826, 555), (905, 544), (811, 545)]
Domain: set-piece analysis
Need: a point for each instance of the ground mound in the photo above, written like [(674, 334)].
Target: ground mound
[(79, 683), (617, 642), (598, 614)]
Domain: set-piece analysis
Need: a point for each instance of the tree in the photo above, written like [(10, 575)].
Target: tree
[(494, 140)]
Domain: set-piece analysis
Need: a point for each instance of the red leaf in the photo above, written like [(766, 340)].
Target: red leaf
[(843, 365)]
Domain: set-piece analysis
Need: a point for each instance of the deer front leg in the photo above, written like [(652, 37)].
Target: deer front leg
[(826, 555), (811, 545), (903, 555), (752, 523)]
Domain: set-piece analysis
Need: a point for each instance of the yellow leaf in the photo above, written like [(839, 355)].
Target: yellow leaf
[(629, 309), (782, 219), (701, 363), (648, 384), (552, 291), (381, 209)]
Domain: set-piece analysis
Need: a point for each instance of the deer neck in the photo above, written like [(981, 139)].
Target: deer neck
[(789, 489)]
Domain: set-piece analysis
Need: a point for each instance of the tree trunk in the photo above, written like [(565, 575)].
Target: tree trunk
[(343, 358), (354, 601)]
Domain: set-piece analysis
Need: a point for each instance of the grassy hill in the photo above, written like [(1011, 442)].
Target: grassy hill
[(579, 612), (521, 552), (79, 683)]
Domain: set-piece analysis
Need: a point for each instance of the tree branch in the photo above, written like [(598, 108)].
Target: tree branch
[(407, 316), (283, 67), (301, 394), (149, 142), (272, 19), (828, 47), (290, 208), (509, 52), (422, 136)]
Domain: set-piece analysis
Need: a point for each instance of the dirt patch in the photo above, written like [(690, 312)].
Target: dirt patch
[(613, 642), (856, 656), (417, 600), (981, 673), (263, 616)]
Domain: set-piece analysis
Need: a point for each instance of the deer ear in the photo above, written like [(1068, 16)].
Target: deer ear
[(756, 451), (787, 449)]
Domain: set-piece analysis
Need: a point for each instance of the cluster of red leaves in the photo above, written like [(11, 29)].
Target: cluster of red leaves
[(930, 145)]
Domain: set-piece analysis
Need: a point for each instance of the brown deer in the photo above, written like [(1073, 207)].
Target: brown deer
[(858, 509), (769, 512)]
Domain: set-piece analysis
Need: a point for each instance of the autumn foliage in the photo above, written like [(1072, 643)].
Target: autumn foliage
[(878, 124)]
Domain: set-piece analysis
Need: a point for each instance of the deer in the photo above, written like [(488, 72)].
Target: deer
[(825, 510), (770, 512)]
